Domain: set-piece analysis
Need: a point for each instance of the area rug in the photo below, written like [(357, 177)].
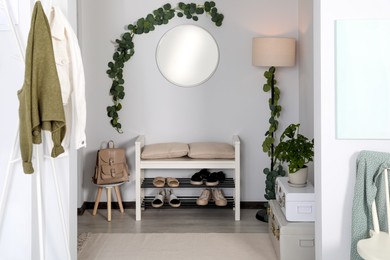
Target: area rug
[(172, 246)]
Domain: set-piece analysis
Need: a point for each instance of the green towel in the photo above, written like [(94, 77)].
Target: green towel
[(40, 101), (369, 186)]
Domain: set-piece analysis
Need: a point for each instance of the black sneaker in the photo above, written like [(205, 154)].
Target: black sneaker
[(221, 176), (215, 178), (199, 177)]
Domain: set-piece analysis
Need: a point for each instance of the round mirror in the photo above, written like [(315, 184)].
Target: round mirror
[(187, 55)]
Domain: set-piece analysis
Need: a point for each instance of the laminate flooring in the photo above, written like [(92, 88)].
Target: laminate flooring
[(180, 220)]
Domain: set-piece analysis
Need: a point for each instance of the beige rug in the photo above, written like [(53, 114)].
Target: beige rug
[(173, 246)]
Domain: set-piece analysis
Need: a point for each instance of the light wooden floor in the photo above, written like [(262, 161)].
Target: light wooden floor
[(181, 220)]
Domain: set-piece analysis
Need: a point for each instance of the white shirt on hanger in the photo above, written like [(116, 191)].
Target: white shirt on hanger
[(71, 74)]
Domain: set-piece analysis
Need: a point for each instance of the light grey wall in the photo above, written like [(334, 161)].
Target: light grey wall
[(231, 102), (306, 83)]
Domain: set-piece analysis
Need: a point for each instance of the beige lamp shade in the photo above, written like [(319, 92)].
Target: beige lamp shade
[(278, 52)]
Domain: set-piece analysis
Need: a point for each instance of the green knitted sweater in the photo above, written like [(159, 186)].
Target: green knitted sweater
[(40, 102)]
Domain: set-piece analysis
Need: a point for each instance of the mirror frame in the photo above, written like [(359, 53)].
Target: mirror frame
[(184, 50)]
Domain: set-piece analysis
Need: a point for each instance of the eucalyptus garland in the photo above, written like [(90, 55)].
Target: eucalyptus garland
[(125, 45), (268, 144)]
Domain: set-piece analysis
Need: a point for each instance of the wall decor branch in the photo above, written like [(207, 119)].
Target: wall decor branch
[(125, 45)]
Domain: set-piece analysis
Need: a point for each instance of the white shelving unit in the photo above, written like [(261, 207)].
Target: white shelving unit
[(184, 163)]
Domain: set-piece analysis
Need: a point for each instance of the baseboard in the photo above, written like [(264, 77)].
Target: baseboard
[(253, 204), (131, 205), (80, 211)]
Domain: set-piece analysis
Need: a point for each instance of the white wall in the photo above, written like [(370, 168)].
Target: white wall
[(335, 159), (231, 102), (305, 63), (19, 217)]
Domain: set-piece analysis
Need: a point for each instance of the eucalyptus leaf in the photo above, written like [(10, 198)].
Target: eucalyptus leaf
[(150, 18), (139, 31), (126, 35), (140, 23), (121, 95), (199, 10), (207, 6)]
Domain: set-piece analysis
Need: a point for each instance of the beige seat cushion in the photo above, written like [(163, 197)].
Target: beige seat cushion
[(164, 151), (211, 151)]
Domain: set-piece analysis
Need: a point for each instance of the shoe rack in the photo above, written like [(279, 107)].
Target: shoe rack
[(143, 182), (188, 201)]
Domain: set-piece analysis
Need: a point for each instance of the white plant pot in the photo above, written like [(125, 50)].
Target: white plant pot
[(299, 178)]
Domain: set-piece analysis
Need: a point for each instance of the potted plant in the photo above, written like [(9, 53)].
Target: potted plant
[(297, 151)]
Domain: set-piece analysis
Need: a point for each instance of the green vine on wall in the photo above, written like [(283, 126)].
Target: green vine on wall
[(125, 45), (268, 144)]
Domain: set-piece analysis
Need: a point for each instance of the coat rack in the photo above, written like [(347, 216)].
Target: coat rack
[(39, 162)]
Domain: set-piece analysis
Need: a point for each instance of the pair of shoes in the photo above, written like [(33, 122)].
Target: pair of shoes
[(215, 194), (211, 179), (159, 182), (215, 178), (162, 196), (199, 177)]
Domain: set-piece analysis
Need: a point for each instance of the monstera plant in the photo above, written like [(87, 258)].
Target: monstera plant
[(125, 45)]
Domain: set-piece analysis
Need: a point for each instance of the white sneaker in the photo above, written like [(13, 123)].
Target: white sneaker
[(204, 198), (218, 197), (158, 201)]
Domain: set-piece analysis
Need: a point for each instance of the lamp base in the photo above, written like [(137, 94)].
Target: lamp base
[(262, 215)]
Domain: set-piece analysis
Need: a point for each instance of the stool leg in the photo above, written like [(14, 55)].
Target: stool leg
[(109, 203), (99, 193), (119, 198)]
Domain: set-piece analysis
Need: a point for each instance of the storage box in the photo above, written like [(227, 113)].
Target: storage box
[(297, 203), (291, 240)]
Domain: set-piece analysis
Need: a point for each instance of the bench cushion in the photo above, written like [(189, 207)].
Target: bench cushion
[(211, 150), (164, 151)]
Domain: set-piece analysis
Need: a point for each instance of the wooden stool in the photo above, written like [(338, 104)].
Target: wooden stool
[(108, 189)]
